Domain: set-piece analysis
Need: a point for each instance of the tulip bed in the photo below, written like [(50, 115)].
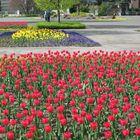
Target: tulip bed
[(43, 37), (7, 25), (58, 95), (33, 35)]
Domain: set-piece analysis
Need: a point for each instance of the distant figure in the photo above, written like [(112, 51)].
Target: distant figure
[(47, 15)]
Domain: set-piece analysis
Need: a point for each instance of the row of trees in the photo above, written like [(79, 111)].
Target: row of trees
[(56, 4), (43, 5), (64, 4), (25, 6)]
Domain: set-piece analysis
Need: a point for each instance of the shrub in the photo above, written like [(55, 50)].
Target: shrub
[(84, 9), (103, 8), (61, 25)]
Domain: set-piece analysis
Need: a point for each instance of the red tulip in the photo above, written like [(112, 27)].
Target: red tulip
[(18, 115), (137, 108), (1, 91), (125, 108), (10, 135), (88, 91), (137, 131), (125, 99), (44, 120), (3, 102), (39, 114), (90, 101), (7, 95), (131, 115), (94, 125), (60, 116), (108, 134), (24, 113), (125, 132), (67, 135), (32, 128), (23, 105), (48, 129), (80, 120), (96, 112), (24, 123), (82, 105), (123, 122), (56, 100), (107, 124), (5, 121), (83, 113), (89, 117), (74, 110), (2, 129), (50, 109), (13, 122), (63, 121), (37, 102), (60, 109), (30, 119), (29, 134), (136, 88), (33, 112), (72, 102), (115, 111), (5, 112), (111, 118), (12, 99)]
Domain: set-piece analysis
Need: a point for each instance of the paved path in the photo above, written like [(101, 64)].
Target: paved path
[(113, 36)]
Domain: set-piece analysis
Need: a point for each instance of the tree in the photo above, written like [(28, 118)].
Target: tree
[(25, 6), (55, 4), (114, 6)]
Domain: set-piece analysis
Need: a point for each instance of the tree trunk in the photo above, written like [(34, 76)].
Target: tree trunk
[(58, 10)]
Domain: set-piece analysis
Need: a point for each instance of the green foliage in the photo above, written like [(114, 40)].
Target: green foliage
[(73, 9), (61, 25), (53, 4), (133, 11), (84, 9), (103, 9)]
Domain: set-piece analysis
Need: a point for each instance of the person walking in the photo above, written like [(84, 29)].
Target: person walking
[(47, 15)]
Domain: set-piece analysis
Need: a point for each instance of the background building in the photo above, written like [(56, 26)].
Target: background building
[(4, 6), (135, 4)]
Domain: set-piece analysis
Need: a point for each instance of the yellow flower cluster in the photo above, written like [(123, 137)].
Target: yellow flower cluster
[(38, 35)]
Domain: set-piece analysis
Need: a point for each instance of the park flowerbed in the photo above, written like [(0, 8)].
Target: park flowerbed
[(28, 35), (58, 95), (43, 37), (13, 25)]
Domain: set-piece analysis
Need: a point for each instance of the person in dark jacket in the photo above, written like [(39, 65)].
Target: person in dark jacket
[(48, 15)]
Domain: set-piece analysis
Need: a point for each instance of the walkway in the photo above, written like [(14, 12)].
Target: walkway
[(113, 36)]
